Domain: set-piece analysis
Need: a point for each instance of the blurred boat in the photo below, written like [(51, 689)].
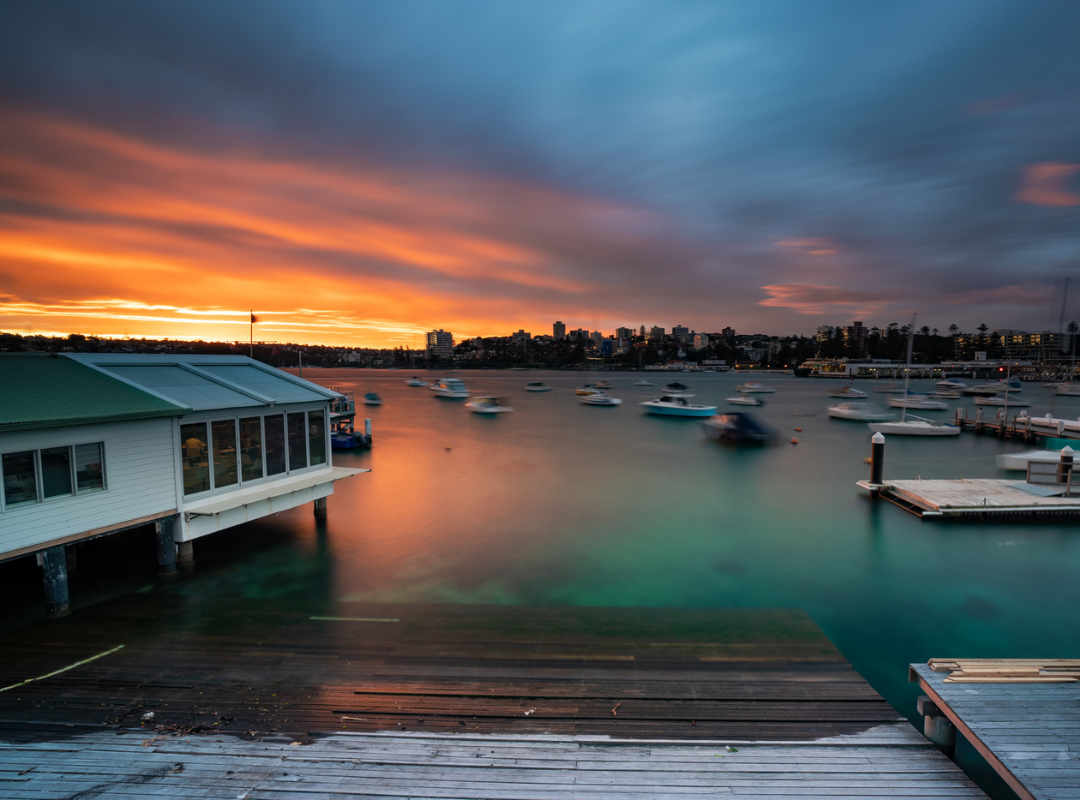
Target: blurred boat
[(754, 388), (600, 399), (1068, 390), (675, 386), (860, 412), (914, 426), (983, 389), (1051, 454), (849, 392), (922, 402), (642, 382), (889, 388), (587, 389), (744, 400), (947, 394), (1002, 400), (414, 381), (951, 383), (537, 386), (372, 399), (739, 426), (450, 388), (676, 404), (487, 405)]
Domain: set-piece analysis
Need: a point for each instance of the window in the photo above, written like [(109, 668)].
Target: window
[(193, 452), (224, 439), (89, 471), (56, 472), (251, 466), (317, 437), (33, 476), (275, 444), (297, 442), (20, 480)]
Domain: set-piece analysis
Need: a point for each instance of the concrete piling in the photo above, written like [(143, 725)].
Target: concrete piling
[(166, 544), (54, 577), (320, 508)]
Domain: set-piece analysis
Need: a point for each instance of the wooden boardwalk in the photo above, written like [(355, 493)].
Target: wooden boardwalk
[(398, 694), (972, 498), (1028, 732)]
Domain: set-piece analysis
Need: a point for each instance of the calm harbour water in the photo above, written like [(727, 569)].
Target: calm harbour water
[(562, 503)]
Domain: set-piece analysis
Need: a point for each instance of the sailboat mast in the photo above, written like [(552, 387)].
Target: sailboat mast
[(907, 369)]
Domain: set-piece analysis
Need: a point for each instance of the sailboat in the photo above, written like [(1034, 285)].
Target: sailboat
[(910, 425)]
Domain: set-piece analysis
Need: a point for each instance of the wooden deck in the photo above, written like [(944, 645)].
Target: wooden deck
[(972, 498), (1028, 732), (393, 700)]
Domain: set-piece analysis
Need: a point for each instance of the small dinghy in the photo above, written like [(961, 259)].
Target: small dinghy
[(372, 399), (487, 405)]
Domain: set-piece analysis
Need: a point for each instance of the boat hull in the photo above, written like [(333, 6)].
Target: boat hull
[(913, 429), (668, 410), (539, 388)]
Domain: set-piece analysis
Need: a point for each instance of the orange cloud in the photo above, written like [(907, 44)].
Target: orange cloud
[(106, 234), (1044, 184), (818, 246), (813, 299)]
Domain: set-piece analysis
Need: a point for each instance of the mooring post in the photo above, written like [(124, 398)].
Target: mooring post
[(54, 576), (367, 429), (978, 418), (936, 726), (320, 508), (877, 458), (166, 544), (1065, 465)]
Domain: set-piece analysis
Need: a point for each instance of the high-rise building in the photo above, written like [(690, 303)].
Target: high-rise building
[(597, 337), (855, 338), (656, 333), (701, 340), (521, 337), (559, 329), (728, 333), (680, 333), (624, 333), (440, 344)]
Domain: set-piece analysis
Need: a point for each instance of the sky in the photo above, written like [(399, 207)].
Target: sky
[(358, 173)]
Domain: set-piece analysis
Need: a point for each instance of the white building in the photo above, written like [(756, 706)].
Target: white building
[(95, 444)]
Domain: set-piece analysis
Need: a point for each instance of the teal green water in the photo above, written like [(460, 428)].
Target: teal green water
[(561, 503)]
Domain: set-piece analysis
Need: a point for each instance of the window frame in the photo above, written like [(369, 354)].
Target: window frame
[(39, 487)]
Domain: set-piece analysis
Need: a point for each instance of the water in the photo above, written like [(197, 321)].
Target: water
[(561, 503)]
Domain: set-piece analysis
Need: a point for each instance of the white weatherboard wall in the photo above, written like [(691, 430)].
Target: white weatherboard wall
[(140, 480)]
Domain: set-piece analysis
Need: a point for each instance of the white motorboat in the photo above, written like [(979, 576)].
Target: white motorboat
[(744, 400), (1001, 400), (1049, 421), (676, 404), (487, 405), (450, 388), (600, 399), (947, 394), (414, 381), (587, 389), (951, 383), (754, 388), (848, 392), (642, 382), (919, 402), (1068, 390), (537, 386), (860, 412), (913, 426)]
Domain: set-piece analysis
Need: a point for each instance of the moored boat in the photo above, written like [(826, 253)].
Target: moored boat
[(739, 426), (642, 382), (372, 399), (487, 405), (1002, 400), (914, 426), (600, 399), (744, 400), (537, 386), (415, 381), (947, 394), (982, 389), (849, 392), (860, 412), (921, 402), (951, 383), (676, 404), (753, 387), (450, 388)]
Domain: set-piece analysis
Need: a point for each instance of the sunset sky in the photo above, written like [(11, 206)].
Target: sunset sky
[(361, 172)]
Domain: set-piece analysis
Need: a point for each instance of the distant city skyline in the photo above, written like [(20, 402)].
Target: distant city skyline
[(366, 173)]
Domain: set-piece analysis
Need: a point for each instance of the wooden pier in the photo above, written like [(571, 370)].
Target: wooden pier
[(247, 699), (1026, 727), (1017, 427), (974, 499)]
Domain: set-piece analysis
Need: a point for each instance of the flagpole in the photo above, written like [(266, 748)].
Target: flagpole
[(251, 330)]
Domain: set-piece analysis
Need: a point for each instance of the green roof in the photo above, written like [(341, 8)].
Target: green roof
[(43, 391)]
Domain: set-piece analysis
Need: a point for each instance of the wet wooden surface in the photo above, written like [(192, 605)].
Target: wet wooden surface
[(244, 699)]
